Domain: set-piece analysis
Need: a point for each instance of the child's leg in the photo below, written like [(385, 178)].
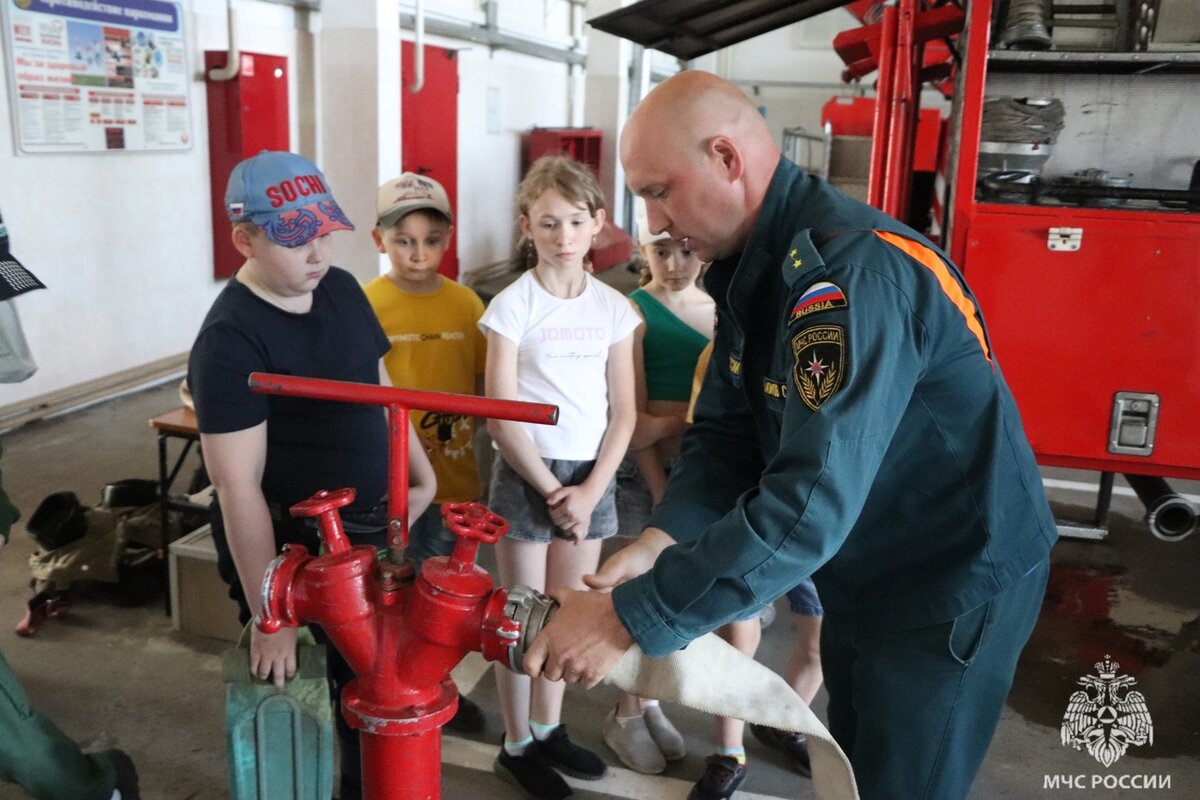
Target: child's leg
[(629, 705), (567, 564), (517, 562), (745, 635), (804, 667)]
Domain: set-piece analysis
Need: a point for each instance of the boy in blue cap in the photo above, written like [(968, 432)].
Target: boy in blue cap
[(287, 310)]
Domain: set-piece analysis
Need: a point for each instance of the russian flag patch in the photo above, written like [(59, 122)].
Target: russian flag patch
[(823, 296)]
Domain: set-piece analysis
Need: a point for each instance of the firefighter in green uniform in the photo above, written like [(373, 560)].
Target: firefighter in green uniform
[(854, 425), (34, 753)]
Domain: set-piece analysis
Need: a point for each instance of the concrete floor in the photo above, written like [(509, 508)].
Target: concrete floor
[(114, 674)]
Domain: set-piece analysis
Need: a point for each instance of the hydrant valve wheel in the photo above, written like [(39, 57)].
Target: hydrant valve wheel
[(474, 521), (323, 502)]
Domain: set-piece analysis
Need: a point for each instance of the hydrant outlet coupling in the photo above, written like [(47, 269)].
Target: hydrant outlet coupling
[(530, 610)]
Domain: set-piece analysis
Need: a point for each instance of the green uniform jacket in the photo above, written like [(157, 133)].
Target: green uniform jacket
[(853, 424)]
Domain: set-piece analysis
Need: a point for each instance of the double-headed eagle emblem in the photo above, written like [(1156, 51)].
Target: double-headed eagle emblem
[(1105, 717)]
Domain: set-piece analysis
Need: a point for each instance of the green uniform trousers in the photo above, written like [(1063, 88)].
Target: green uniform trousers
[(40, 758), (915, 710)]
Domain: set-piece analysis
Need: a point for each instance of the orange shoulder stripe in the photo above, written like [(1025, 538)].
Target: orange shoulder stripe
[(933, 262)]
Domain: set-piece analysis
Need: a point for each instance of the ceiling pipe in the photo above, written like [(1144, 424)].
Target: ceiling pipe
[(230, 70), (490, 36), (419, 52)]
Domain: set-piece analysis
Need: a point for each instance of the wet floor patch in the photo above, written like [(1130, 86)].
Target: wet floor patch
[(1123, 616)]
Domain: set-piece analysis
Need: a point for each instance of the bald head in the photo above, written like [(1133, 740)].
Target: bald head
[(694, 106), (699, 132)]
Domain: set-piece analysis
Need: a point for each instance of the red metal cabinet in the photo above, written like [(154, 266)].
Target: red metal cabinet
[(429, 128), (245, 115), (581, 144), (1071, 328)]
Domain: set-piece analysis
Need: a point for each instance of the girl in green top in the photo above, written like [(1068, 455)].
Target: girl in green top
[(679, 318)]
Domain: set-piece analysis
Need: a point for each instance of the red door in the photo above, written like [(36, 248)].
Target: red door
[(429, 127)]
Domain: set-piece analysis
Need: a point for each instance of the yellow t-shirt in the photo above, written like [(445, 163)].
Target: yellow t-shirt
[(698, 378), (436, 346)]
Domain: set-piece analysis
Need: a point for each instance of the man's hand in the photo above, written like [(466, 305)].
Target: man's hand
[(630, 561), (273, 655), (583, 642)]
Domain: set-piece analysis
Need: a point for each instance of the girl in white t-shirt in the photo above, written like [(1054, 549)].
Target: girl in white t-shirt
[(556, 335)]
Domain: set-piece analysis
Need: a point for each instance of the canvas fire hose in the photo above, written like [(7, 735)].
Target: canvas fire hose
[(709, 675)]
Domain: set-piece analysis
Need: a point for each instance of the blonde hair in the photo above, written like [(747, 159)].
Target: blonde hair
[(573, 180), (643, 267)]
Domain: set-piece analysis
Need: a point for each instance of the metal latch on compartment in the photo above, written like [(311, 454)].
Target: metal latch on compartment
[(1064, 239), (1134, 422)]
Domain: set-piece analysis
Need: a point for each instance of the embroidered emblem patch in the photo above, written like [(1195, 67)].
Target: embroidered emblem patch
[(823, 296), (820, 363)]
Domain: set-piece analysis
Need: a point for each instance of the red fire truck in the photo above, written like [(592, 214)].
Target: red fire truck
[(1081, 236)]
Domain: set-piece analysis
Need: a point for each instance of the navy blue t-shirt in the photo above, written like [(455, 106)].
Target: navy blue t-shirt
[(311, 444)]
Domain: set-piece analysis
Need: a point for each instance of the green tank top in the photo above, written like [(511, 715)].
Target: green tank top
[(670, 350)]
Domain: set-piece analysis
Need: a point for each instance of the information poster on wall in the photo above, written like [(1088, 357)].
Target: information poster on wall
[(93, 75)]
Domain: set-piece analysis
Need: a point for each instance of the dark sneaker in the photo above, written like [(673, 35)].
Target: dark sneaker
[(469, 717), (791, 744), (722, 776), (59, 605), (531, 775), (560, 752), (127, 778)]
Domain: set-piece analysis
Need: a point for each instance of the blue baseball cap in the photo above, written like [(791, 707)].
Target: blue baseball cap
[(285, 195)]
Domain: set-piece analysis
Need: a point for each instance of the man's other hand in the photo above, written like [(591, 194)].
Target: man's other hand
[(630, 561)]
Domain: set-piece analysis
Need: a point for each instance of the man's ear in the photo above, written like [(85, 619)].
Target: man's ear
[(243, 241), (525, 226), (725, 151), (375, 237)]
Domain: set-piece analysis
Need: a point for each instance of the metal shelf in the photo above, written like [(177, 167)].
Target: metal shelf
[(1078, 61)]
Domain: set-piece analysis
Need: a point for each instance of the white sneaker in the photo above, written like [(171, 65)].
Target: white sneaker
[(669, 740), (633, 744)]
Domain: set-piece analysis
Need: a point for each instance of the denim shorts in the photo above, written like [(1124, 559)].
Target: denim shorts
[(633, 499), (803, 600), (528, 518)]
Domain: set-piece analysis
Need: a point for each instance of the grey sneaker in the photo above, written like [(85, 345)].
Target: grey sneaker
[(669, 741), (634, 745)]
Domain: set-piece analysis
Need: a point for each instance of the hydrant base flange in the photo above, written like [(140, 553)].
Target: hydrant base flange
[(390, 720)]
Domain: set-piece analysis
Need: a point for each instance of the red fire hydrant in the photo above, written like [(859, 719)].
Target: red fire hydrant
[(401, 633)]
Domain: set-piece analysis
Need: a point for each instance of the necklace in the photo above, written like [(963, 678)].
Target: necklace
[(571, 290)]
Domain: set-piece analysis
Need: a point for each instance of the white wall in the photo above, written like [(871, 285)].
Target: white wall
[(533, 92), (122, 240), (800, 54)]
